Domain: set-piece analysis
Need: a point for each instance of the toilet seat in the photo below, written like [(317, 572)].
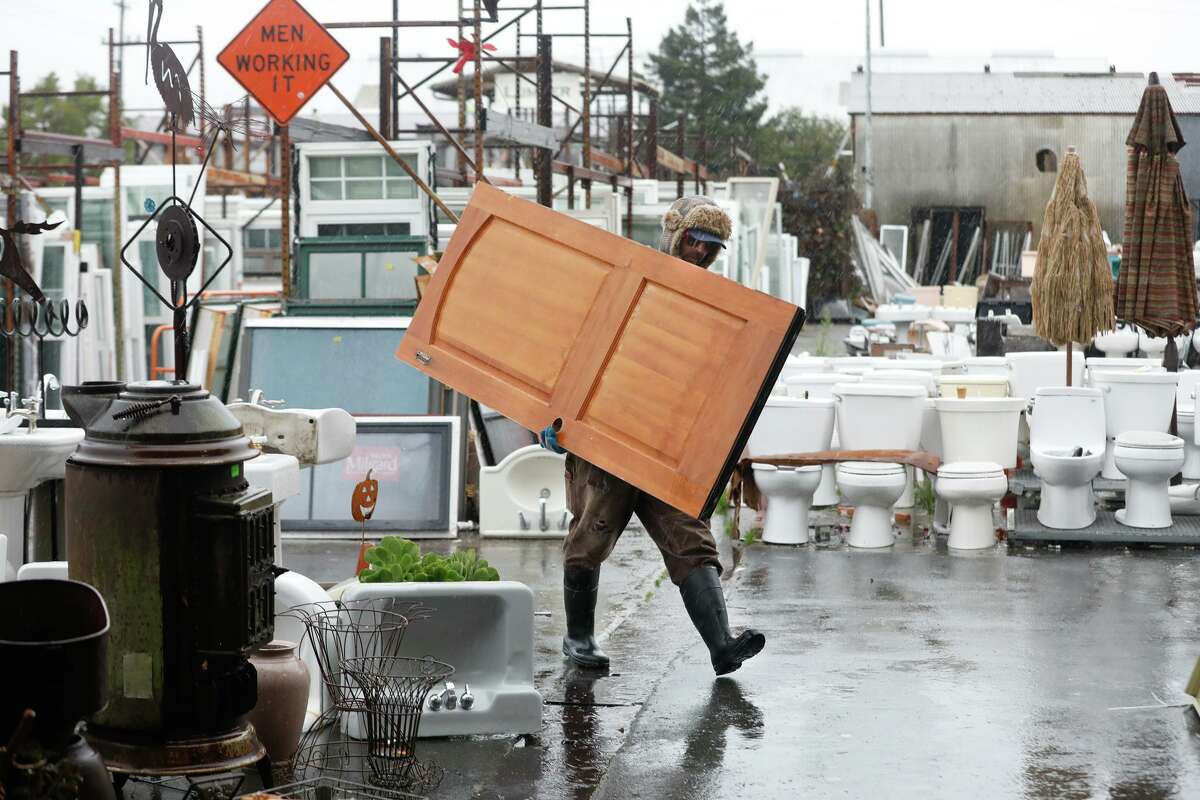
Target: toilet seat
[(1149, 445), (970, 469), (870, 470)]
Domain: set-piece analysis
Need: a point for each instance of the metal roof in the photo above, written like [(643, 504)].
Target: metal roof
[(1011, 93)]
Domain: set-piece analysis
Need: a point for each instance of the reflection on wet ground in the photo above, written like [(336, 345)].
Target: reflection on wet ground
[(909, 673)]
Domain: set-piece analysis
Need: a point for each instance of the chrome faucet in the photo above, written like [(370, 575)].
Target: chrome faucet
[(49, 384), (543, 496), (30, 411)]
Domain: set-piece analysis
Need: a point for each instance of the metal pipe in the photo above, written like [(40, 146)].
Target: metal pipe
[(478, 94), (395, 49), (395, 24), (450, 137), (586, 117), (629, 129), (203, 85), (14, 123), (285, 224), (588, 113), (868, 178), (89, 93)]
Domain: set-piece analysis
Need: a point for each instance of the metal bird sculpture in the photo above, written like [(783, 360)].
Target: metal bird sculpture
[(169, 75), (10, 258)]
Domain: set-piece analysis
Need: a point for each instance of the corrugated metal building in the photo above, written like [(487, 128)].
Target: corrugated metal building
[(993, 140)]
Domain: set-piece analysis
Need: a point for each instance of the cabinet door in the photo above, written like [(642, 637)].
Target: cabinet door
[(657, 369)]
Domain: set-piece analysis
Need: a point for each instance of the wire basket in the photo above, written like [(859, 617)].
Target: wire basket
[(330, 789), (338, 631), (327, 752), (394, 691)]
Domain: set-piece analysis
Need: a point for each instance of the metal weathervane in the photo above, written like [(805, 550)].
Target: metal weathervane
[(176, 236), (37, 315)]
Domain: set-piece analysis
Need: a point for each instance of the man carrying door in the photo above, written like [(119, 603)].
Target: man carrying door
[(694, 230)]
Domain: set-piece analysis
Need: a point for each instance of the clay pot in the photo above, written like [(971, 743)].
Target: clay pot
[(282, 698)]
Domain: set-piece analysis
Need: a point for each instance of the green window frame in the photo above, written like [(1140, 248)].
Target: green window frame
[(365, 260)]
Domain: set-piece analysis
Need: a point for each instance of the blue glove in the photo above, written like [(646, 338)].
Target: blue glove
[(548, 439)]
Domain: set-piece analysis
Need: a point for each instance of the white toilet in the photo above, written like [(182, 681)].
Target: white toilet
[(872, 488), (1148, 459), (1134, 400), (1152, 347), (971, 488), (1185, 422), (819, 385), (876, 416), (1066, 421), (980, 429), (1122, 365), (789, 425), (799, 365), (931, 432), (988, 365), (973, 385), (1033, 371), (1117, 343)]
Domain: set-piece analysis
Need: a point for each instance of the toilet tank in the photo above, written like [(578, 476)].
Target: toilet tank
[(980, 429), (1033, 371), (879, 416), (792, 425), (1067, 417)]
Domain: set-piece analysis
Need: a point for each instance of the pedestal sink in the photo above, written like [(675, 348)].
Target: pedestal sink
[(26, 460)]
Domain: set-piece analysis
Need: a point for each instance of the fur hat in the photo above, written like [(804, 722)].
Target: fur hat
[(696, 211)]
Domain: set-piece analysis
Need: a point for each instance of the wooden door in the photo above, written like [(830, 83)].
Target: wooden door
[(657, 369)]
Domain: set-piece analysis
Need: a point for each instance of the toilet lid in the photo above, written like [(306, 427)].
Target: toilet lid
[(773, 468), (870, 468), (971, 469), (1149, 440)]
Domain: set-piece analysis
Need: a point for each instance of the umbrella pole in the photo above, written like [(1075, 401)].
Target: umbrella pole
[(1070, 345)]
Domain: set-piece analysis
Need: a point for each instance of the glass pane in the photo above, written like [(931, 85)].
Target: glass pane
[(253, 238), (395, 169), (273, 238), (149, 264), (98, 228), (363, 166), (52, 356), (364, 190), (390, 275), (357, 367), (401, 189), (52, 269), (334, 276), (326, 190), (325, 167), (413, 476)]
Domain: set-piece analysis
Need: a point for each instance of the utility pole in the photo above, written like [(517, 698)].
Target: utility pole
[(868, 174)]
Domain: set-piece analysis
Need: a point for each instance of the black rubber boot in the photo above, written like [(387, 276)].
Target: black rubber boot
[(705, 602), (579, 599)]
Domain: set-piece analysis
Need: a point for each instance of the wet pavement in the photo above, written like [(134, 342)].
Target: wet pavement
[(1035, 673)]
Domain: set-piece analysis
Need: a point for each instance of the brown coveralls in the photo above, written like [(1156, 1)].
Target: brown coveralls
[(601, 506)]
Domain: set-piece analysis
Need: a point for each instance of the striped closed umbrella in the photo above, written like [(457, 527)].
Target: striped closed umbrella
[(1072, 289), (1156, 286)]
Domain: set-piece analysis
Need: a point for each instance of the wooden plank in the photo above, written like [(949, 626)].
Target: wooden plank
[(656, 369), (679, 164), (583, 173), (926, 462), (511, 129), (607, 161)]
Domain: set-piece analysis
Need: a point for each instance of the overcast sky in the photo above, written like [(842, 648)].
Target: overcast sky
[(66, 35)]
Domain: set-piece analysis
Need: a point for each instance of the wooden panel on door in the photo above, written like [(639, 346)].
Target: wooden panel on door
[(657, 369)]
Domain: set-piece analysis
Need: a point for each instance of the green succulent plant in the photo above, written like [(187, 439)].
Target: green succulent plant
[(396, 560)]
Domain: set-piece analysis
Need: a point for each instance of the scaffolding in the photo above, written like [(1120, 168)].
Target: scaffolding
[(629, 127)]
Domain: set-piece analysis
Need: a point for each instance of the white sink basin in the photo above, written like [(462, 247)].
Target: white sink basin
[(27, 459)]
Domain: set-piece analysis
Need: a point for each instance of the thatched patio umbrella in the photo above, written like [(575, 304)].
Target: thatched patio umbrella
[(1072, 286), (1156, 286)]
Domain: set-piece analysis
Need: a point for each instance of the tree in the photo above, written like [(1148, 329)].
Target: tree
[(74, 116), (800, 142), (710, 79), (817, 211)]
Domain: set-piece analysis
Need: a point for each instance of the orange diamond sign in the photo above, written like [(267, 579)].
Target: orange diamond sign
[(282, 58)]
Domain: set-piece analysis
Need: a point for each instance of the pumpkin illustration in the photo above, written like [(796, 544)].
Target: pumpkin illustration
[(366, 495)]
